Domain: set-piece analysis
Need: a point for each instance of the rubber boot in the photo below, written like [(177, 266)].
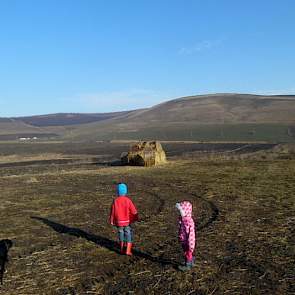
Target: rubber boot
[(128, 250), (122, 246)]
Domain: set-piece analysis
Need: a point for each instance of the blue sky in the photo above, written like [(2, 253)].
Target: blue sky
[(101, 56)]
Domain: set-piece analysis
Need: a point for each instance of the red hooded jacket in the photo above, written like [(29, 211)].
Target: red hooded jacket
[(123, 212)]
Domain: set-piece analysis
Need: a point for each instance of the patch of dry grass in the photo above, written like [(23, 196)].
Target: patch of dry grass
[(70, 250)]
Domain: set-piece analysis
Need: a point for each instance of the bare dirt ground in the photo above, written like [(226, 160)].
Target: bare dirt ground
[(57, 217)]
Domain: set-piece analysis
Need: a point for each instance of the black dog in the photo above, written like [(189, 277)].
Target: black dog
[(5, 245)]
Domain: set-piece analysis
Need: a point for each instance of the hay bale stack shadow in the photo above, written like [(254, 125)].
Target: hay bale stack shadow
[(144, 153)]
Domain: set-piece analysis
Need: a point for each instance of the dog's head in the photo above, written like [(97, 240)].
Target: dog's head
[(8, 243)]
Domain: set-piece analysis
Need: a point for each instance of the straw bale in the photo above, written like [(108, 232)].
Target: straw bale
[(144, 153)]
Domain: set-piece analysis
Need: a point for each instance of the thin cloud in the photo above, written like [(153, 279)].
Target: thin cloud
[(277, 92), (200, 46)]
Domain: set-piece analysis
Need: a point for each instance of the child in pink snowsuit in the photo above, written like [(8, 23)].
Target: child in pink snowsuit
[(187, 236)]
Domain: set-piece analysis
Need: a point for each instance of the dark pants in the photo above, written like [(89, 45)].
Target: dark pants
[(125, 233)]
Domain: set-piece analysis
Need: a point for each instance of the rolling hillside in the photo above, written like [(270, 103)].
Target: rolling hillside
[(48, 126), (13, 126), (207, 117), (67, 119), (216, 117), (224, 108)]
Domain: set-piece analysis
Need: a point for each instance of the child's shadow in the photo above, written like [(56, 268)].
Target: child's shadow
[(101, 241)]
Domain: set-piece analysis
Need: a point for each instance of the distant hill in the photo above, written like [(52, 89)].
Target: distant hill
[(65, 119), (48, 126), (223, 108), (13, 126), (220, 117), (203, 117)]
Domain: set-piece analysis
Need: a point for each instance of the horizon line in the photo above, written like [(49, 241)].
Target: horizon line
[(261, 94)]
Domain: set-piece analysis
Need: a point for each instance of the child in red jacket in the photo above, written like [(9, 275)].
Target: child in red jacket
[(123, 213)]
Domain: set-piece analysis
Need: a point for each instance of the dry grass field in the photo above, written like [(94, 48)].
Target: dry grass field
[(57, 217)]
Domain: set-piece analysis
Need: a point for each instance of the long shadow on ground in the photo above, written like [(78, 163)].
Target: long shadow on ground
[(101, 241)]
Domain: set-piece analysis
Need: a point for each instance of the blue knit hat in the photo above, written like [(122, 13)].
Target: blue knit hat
[(122, 189)]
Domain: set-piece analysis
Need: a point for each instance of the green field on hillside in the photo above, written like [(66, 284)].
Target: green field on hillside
[(225, 132)]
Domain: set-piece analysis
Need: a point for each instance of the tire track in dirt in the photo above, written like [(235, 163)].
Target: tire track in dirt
[(211, 218), (214, 211), (157, 197), (145, 189)]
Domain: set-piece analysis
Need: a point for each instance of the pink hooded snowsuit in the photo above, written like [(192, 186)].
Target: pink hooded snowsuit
[(187, 236)]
